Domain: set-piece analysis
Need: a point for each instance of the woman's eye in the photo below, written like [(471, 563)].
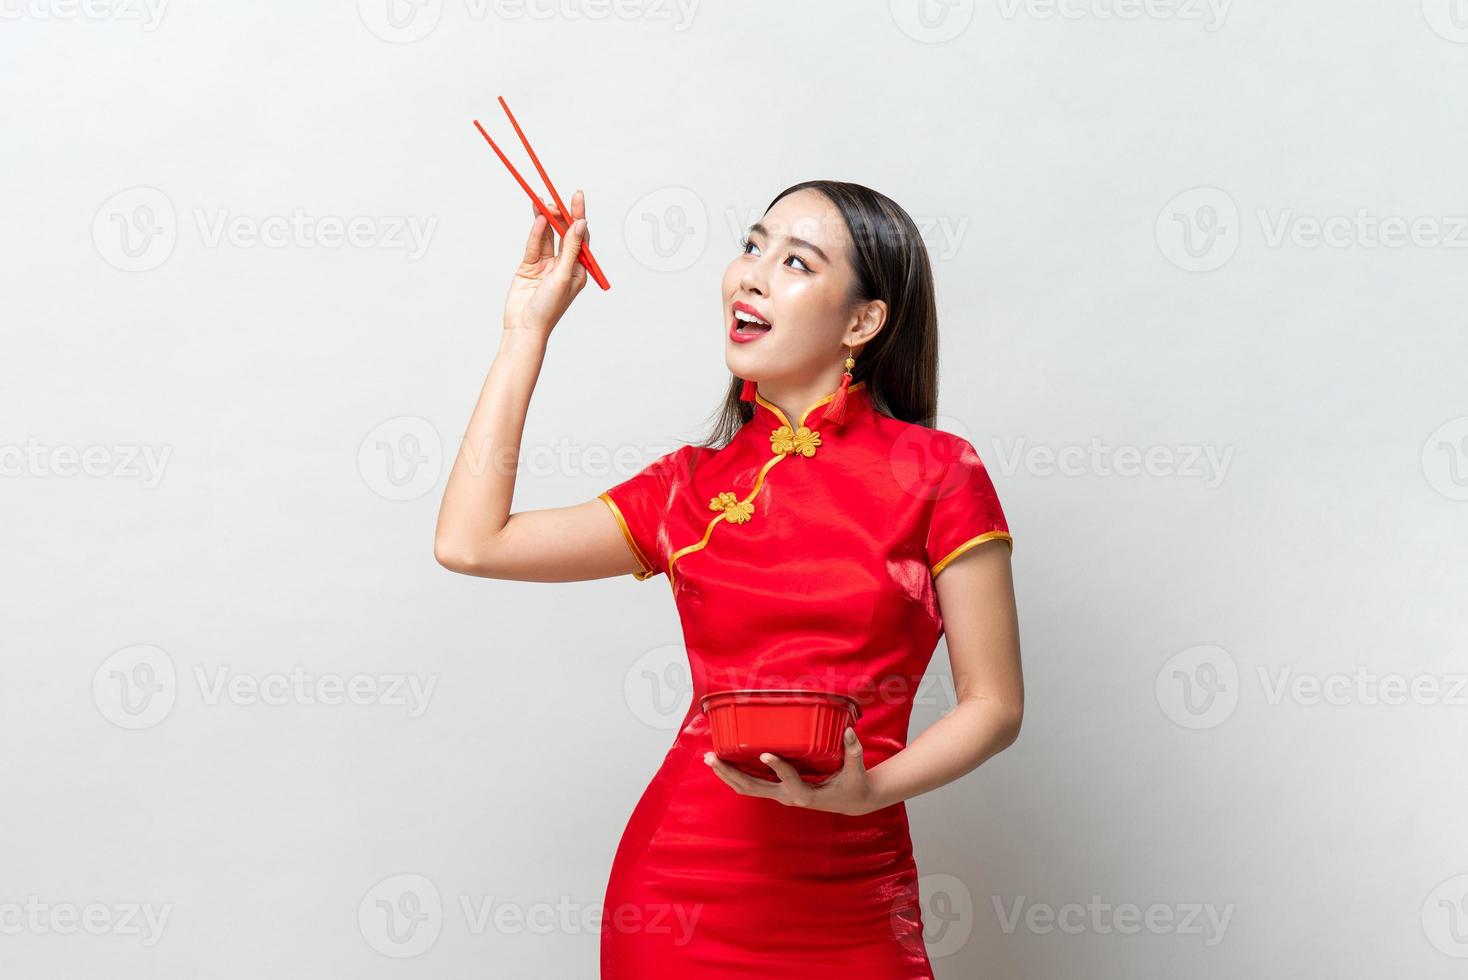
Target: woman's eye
[(745, 244)]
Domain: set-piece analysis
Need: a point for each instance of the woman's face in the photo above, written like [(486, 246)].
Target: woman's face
[(795, 273)]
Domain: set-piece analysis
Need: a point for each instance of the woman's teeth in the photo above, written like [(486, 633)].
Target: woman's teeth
[(748, 324)]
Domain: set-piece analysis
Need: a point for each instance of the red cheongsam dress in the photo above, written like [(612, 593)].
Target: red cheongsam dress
[(800, 555)]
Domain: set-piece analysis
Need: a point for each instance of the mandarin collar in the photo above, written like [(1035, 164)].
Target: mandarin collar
[(770, 417)]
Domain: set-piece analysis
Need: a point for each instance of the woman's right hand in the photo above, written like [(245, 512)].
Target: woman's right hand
[(546, 283)]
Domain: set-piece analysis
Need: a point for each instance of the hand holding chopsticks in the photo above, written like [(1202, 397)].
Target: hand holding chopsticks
[(546, 283), (585, 257)]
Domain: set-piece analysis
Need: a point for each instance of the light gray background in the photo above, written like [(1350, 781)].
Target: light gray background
[(1120, 198)]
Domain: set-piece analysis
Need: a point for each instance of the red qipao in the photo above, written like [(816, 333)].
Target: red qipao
[(801, 555)]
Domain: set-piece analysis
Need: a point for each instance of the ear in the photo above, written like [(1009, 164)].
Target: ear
[(869, 321)]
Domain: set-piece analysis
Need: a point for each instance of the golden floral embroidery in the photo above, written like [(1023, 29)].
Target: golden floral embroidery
[(736, 511), (803, 441)]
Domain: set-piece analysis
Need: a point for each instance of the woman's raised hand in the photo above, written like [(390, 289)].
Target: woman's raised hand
[(546, 283)]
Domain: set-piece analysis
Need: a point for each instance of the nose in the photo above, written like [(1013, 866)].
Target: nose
[(752, 279)]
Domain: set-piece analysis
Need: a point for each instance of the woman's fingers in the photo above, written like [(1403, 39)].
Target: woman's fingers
[(540, 247), (546, 242), (548, 248), (794, 785), (855, 759), (566, 263), (791, 790), (579, 271), (740, 781), (578, 212), (535, 243)]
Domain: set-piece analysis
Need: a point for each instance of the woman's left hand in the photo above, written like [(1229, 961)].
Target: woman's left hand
[(848, 791)]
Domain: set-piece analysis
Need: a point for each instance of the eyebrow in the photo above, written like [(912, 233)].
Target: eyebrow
[(757, 226)]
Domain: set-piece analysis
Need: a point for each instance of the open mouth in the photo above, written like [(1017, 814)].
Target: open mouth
[(747, 324)]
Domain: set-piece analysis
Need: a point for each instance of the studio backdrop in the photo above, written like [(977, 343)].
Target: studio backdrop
[(1200, 269)]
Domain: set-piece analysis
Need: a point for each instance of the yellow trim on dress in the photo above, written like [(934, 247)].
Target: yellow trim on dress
[(973, 543), (805, 414), (647, 569), (785, 440)]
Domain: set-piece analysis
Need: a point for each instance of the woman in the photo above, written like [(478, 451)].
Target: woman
[(823, 538)]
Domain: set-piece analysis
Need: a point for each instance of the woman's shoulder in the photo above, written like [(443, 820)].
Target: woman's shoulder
[(896, 431), (923, 454), (684, 458)]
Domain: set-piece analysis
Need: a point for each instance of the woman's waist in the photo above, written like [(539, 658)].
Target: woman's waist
[(697, 794), (876, 682)]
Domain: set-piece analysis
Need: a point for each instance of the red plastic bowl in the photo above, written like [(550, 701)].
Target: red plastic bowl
[(802, 727)]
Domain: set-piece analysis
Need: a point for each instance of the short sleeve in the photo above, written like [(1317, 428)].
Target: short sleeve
[(965, 511), (641, 503)]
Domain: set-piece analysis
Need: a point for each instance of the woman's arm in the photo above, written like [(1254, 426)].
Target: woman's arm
[(976, 597), (477, 534)]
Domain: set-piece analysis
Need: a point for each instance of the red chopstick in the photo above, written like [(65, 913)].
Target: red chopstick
[(585, 257)]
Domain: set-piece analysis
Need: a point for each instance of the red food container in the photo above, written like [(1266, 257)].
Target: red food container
[(802, 727)]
